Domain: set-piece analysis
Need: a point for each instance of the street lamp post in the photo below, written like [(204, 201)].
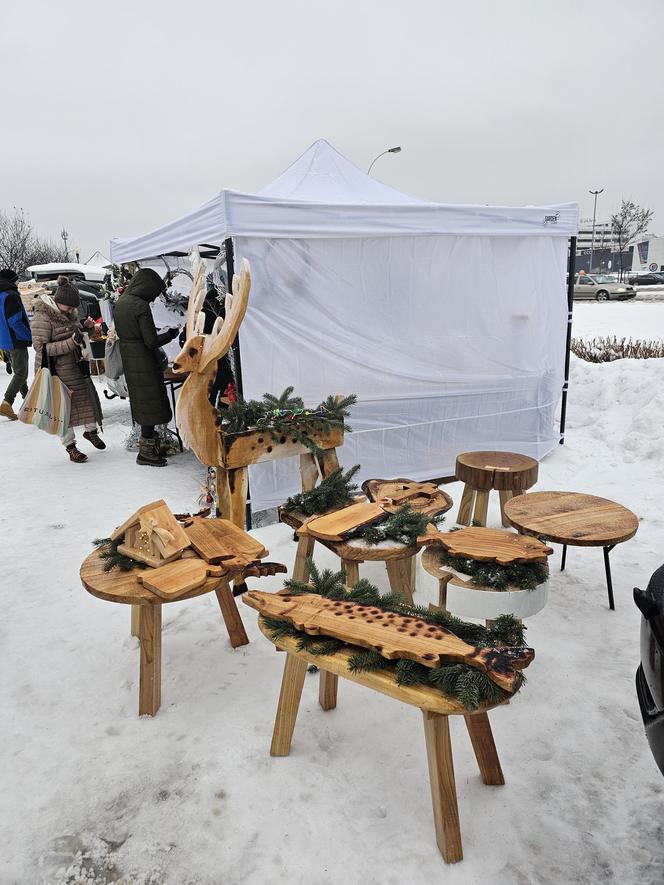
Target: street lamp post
[(592, 238), (394, 150)]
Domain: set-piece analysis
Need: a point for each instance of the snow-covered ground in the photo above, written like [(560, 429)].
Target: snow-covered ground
[(192, 796), (638, 319)]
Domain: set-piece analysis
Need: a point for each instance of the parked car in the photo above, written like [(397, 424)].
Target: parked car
[(646, 279), (650, 673), (88, 272), (601, 287)]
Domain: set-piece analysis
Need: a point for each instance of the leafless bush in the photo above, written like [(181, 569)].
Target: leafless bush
[(20, 247), (606, 350)]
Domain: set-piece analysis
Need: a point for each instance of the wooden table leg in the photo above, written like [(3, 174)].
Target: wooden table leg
[(231, 616), (149, 687), (401, 574), (238, 479), (295, 669), (505, 496), (305, 549), (223, 493), (443, 787), (327, 690), (136, 620), (481, 737), (352, 569), (481, 507), (466, 505), (327, 462), (308, 471), (443, 581)]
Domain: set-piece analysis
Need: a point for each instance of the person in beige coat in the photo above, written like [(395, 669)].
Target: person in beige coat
[(55, 326)]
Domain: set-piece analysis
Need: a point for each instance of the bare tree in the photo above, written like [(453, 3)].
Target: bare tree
[(628, 223), (20, 247)]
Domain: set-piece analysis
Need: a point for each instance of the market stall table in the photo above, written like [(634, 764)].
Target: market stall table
[(576, 520)]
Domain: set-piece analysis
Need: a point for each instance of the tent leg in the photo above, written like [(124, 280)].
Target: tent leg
[(571, 262)]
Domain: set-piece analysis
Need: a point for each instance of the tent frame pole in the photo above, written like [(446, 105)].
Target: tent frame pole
[(571, 263)]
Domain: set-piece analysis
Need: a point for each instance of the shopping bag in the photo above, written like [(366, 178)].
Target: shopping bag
[(113, 358), (48, 403)]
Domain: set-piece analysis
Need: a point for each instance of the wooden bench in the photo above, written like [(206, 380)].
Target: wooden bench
[(436, 710)]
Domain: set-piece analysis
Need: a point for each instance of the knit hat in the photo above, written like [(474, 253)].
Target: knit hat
[(7, 275), (66, 293)]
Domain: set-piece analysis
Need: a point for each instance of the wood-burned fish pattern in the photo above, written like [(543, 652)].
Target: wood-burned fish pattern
[(390, 634)]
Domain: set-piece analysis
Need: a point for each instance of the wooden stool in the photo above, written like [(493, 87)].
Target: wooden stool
[(400, 561), (124, 587), (506, 472), (436, 709)]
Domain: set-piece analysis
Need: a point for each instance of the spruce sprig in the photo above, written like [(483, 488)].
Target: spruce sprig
[(334, 492), (113, 559), (404, 526), (525, 576)]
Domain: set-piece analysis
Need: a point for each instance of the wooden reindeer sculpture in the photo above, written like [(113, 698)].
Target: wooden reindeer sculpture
[(198, 420)]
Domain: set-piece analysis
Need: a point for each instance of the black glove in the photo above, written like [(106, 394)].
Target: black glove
[(173, 333)]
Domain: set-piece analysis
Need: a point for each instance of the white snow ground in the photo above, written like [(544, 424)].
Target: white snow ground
[(94, 794)]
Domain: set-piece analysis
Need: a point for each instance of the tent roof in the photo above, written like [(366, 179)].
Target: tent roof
[(322, 194)]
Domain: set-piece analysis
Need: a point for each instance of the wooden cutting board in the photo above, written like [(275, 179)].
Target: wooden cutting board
[(390, 634), (489, 545), (335, 526), (391, 494), (224, 541), (176, 578)]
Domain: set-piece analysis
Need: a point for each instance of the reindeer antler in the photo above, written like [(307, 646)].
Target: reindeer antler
[(195, 317), (219, 341)]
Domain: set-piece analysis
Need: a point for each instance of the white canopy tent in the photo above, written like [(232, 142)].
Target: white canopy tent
[(449, 322)]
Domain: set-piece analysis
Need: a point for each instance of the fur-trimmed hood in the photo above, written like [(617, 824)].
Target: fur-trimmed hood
[(45, 304)]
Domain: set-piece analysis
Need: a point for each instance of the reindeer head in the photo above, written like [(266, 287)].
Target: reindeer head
[(200, 350)]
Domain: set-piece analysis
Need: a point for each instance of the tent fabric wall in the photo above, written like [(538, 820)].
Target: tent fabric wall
[(447, 321), (451, 343)]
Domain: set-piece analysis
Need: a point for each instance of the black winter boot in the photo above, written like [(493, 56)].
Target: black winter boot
[(148, 454)]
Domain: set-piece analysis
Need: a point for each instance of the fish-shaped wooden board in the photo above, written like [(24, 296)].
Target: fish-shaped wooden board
[(390, 634), (488, 545)]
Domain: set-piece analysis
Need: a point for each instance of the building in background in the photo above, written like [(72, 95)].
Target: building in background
[(605, 252), (648, 254)]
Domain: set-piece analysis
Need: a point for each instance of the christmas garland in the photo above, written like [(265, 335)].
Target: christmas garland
[(113, 559), (334, 492), (468, 685), (286, 414), (524, 576), (404, 526)]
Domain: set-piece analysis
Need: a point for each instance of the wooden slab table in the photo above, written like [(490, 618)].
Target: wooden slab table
[(124, 587), (436, 710), (576, 520)]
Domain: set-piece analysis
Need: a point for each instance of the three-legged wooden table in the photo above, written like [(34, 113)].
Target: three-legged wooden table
[(436, 710), (119, 586), (575, 520)]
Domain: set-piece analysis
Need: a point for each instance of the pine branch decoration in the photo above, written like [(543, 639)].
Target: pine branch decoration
[(525, 576), (334, 492), (470, 686), (113, 559), (404, 526)]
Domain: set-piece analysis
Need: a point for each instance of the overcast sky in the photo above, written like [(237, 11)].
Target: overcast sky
[(120, 116)]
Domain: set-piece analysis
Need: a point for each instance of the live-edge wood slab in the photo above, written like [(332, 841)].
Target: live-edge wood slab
[(489, 545), (392, 635)]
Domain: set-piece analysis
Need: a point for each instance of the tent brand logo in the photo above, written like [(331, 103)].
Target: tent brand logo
[(552, 219)]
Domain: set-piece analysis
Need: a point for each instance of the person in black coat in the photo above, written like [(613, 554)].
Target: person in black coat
[(139, 347)]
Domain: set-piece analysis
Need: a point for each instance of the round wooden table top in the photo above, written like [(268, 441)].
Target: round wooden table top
[(572, 518), (506, 471), (119, 586)]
